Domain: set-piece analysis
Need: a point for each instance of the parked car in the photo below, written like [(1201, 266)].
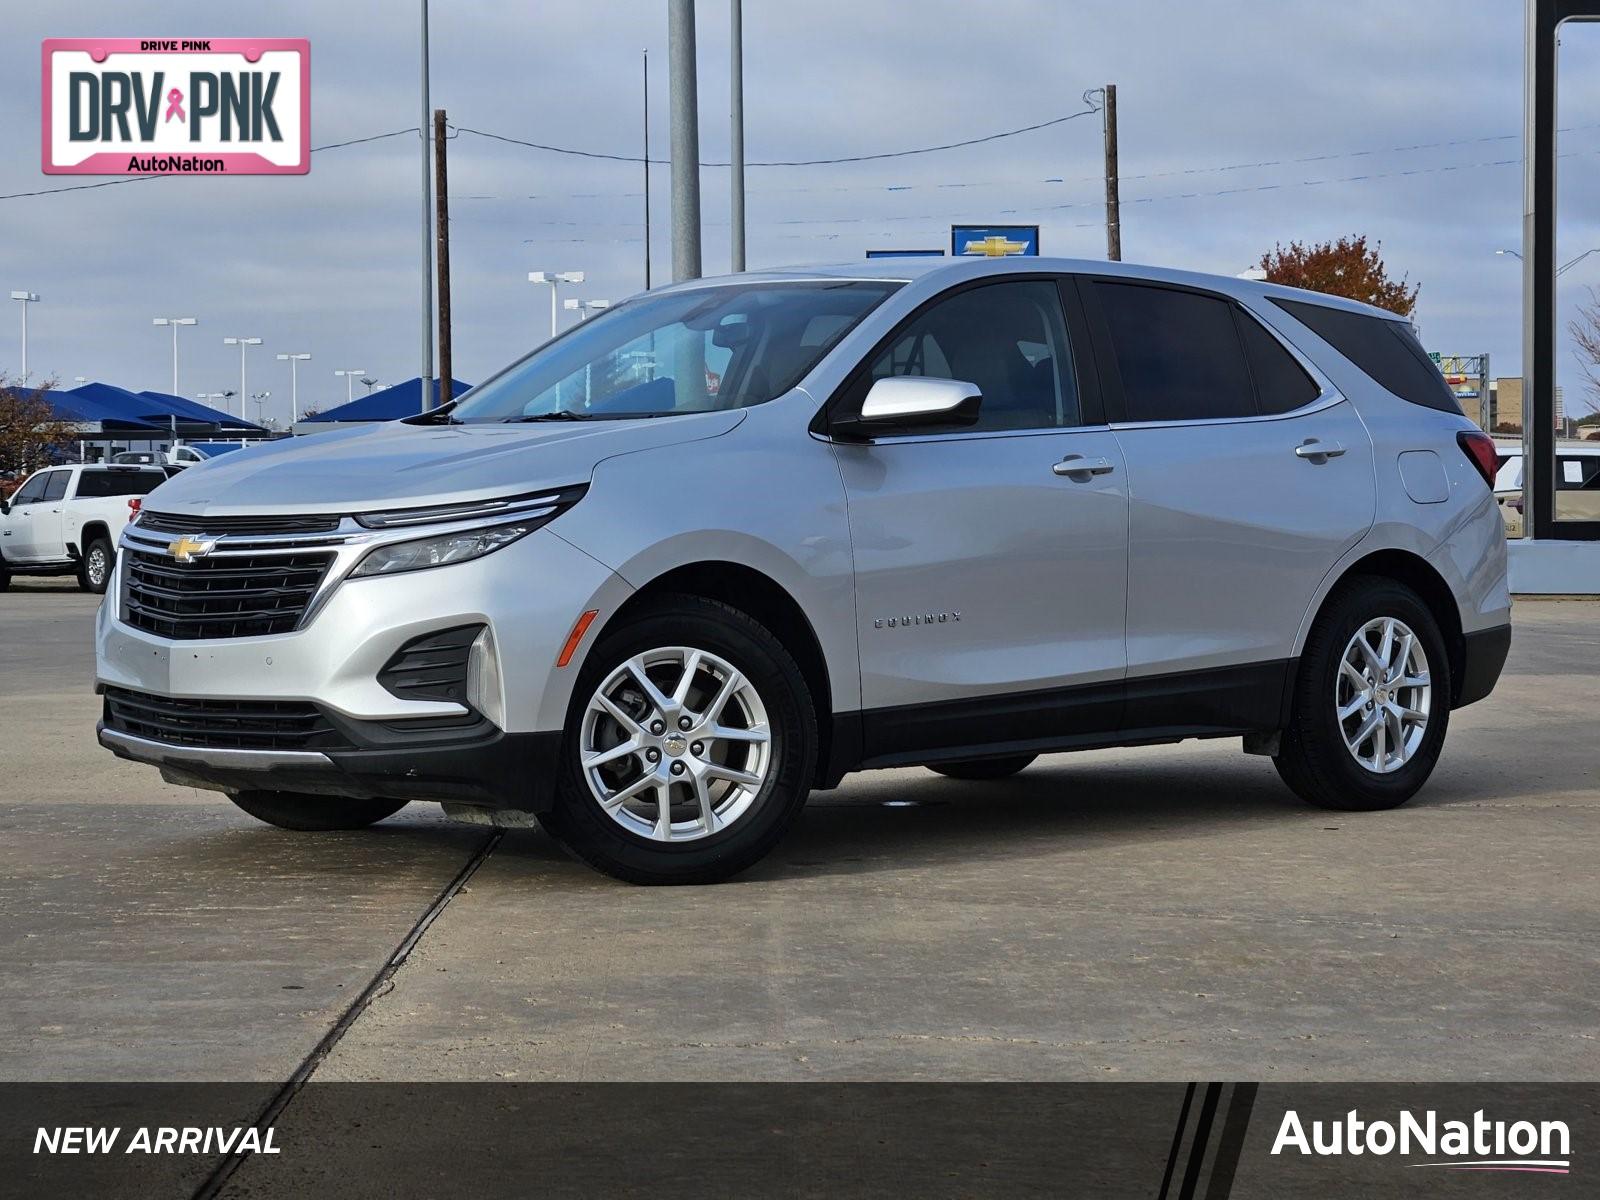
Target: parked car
[(66, 520), (956, 514), (177, 457), (1577, 484)]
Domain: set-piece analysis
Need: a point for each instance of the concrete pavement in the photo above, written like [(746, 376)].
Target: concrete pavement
[(1141, 914)]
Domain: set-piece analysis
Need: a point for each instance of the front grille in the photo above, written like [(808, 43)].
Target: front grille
[(431, 667), (160, 522), (220, 596), (222, 724)]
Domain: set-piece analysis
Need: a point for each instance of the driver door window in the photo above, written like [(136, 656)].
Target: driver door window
[(32, 491), (1010, 339)]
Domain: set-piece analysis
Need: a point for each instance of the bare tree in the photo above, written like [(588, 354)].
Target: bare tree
[(30, 430), (1585, 332)]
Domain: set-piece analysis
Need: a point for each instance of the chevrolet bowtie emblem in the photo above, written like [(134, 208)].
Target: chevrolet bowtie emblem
[(187, 549), (994, 246)]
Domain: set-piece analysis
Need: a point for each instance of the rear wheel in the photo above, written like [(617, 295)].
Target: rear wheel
[(984, 768), (94, 569), (5, 575), (689, 749), (314, 814), (1372, 701)]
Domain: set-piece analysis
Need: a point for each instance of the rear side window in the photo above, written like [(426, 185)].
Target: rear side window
[(55, 485), (1281, 383), (1387, 351), (1178, 354), (118, 483)]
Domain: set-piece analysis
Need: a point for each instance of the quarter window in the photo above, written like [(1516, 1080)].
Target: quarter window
[(119, 483), (1178, 354), (1281, 383), (1386, 350), (1010, 339)]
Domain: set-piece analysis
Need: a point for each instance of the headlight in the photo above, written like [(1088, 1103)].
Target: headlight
[(441, 551)]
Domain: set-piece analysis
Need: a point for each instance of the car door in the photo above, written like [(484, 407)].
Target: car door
[(18, 541), (991, 560), (1248, 478)]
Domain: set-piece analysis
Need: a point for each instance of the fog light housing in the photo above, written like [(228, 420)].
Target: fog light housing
[(485, 692)]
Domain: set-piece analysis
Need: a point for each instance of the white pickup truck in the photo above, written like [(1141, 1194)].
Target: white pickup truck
[(66, 521)]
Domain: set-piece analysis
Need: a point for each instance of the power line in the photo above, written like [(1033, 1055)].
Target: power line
[(85, 187), (797, 162)]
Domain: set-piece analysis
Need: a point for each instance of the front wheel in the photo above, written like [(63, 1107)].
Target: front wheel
[(314, 814), (94, 570), (1372, 701), (689, 749)]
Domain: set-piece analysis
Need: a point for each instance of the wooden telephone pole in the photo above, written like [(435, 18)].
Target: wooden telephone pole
[(1113, 201), (441, 207)]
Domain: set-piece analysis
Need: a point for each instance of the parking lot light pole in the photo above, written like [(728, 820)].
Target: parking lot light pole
[(26, 298), (584, 307), (294, 361), (554, 278), (243, 343), (175, 322), (350, 377)]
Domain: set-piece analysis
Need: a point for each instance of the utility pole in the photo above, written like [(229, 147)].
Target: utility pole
[(441, 204), (736, 76), (427, 230), (1108, 115), (647, 170), (685, 111)]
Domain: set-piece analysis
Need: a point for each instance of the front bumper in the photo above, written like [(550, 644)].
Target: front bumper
[(503, 755), (486, 768)]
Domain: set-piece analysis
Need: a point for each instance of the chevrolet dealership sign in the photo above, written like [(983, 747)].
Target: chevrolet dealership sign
[(170, 106)]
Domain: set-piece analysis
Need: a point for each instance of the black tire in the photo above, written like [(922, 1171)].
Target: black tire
[(314, 814), (984, 768), (5, 576), (579, 822), (94, 569), (1313, 758)]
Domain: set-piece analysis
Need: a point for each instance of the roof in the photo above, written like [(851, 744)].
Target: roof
[(104, 402), (195, 411), (389, 404), (955, 267), (90, 408)]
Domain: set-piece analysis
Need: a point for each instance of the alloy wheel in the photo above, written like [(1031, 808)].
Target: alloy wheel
[(99, 566), (1382, 695), (675, 744)]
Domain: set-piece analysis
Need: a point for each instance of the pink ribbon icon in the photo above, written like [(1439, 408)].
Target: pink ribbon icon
[(175, 106)]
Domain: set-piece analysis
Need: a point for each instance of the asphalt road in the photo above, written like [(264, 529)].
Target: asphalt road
[(1158, 914)]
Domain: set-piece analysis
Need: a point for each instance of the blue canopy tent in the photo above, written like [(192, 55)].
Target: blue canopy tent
[(160, 410), (191, 410), (90, 409), (390, 404)]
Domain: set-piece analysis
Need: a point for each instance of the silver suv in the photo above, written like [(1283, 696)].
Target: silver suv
[(733, 539)]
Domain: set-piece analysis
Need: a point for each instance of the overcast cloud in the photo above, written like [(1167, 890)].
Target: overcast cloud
[(329, 263)]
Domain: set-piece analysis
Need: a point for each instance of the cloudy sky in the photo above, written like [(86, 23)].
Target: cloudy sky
[(1242, 123)]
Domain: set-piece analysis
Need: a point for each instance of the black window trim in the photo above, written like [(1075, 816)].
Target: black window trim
[(1091, 410), (1111, 375)]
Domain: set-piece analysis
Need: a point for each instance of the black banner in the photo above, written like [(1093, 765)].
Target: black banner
[(1159, 1141)]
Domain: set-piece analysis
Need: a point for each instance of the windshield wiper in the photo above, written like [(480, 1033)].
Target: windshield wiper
[(561, 414)]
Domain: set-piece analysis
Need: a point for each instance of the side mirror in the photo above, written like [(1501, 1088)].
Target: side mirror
[(5, 508), (903, 402)]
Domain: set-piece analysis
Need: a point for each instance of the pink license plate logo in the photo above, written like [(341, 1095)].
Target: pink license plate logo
[(177, 106)]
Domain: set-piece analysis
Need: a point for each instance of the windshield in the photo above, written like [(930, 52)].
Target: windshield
[(680, 352)]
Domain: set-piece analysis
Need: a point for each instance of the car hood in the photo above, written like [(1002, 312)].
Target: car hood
[(394, 463)]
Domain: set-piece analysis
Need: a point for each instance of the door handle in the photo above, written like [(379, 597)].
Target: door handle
[(1077, 464), (1311, 448)]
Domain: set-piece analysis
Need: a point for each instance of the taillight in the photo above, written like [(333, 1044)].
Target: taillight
[(1479, 449), (133, 506)]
